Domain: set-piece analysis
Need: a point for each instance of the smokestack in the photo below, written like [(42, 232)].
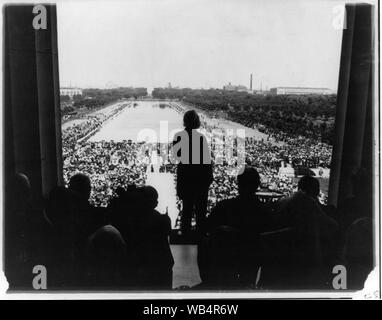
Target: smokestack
[(250, 83)]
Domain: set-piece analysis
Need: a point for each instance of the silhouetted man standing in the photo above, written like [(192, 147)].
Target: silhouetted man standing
[(194, 171)]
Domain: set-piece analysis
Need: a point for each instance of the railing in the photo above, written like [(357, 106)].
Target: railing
[(269, 197)]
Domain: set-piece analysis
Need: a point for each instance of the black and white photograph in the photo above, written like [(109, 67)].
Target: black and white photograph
[(190, 149)]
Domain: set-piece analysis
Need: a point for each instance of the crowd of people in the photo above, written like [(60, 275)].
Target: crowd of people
[(304, 151), (107, 161), (242, 244), (123, 246), (109, 164), (87, 126), (102, 230)]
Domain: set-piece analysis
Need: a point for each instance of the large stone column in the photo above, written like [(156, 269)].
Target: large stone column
[(22, 103), (353, 126), (32, 110), (32, 135), (49, 103)]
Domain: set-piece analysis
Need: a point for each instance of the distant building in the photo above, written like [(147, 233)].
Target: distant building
[(261, 92), (230, 87), (300, 90), (70, 92)]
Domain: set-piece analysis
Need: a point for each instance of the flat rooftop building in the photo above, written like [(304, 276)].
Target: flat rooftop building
[(66, 91), (300, 90), (230, 87)]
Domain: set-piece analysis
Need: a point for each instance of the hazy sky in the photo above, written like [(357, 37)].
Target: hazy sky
[(193, 43)]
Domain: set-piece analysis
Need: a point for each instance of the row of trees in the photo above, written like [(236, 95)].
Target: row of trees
[(306, 115), (117, 93), (66, 108), (66, 98), (94, 98)]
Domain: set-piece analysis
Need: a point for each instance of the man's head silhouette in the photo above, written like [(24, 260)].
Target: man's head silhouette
[(310, 186), (150, 196), (249, 181), (80, 184)]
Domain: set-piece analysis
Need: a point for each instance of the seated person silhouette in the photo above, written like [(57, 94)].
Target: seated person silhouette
[(108, 260), (80, 257), (146, 233), (243, 218), (123, 214), (329, 230), (20, 233), (309, 248), (245, 210), (220, 260), (65, 240), (80, 185)]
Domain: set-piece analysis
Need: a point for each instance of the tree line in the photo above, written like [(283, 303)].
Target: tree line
[(94, 98), (306, 115)]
